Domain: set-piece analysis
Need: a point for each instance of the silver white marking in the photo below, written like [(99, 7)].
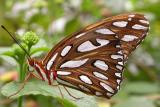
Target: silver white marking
[(132, 15), (80, 35), (109, 94), (88, 46), (118, 46), (118, 81), (51, 76), (119, 67), (118, 74), (66, 50), (107, 87), (104, 31), (120, 52), (85, 79), (128, 38), (139, 27), (120, 24), (101, 76), (84, 88), (129, 19), (118, 87), (42, 72), (98, 93), (144, 21), (120, 63), (51, 61), (74, 64), (102, 42), (116, 56), (65, 83), (101, 65), (63, 73)]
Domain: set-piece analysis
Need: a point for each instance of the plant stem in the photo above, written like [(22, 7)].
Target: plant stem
[(21, 79)]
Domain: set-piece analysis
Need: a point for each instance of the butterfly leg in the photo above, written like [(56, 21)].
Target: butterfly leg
[(30, 74), (59, 89), (71, 94)]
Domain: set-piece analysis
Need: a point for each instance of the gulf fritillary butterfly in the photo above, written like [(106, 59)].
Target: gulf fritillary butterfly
[(92, 60)]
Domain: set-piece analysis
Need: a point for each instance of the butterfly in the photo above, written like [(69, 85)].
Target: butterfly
[(92, 60)]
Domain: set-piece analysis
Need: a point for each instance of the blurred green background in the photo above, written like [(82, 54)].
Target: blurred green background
[(52, 20)]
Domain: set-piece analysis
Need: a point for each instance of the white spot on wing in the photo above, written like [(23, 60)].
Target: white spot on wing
[(107, 87), (116, 56), (65, 50), (88, 46), (104, 31), (74, 64), (118, 81), (144, 21), (85, 79), (120, 63), (118, 87), (101, 65), (118, 46), (120, 52), (128, 38), (109, 94), (119, 67), (129, 19), (50, 62), (120, 24), (63, 73), (131, 15), (139, 27), (102, 41), (101, 76), (98, 93), (80, 35), (118, 74)]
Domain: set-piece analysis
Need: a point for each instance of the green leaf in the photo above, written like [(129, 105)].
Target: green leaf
[(39, 49), (135, 102), (8, 53), (72, 26), (42, 88), (90, 7), (142, 88)]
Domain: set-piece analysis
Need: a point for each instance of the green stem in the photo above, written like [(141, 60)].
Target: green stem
[(21, 79)]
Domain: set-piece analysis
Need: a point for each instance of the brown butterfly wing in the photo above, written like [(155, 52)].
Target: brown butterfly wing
[(131, 29), (92, 59)]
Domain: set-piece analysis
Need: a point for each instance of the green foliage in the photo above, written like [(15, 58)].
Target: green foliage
[(43, 88), (139, 102), (72, 26), (142, 88)]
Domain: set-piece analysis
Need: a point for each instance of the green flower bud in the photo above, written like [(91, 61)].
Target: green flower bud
[(30, 38)]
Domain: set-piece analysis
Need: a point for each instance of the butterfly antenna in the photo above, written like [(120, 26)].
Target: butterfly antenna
[(28, 55)]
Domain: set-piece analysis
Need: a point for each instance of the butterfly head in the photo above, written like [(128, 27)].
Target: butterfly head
[(31, 64)]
